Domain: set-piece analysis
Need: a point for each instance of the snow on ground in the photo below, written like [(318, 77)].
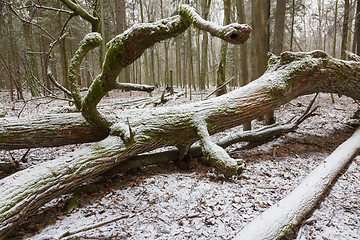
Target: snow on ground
[(164, 202)]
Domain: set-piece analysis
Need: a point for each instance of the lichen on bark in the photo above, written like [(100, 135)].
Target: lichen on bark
[(125, 48), (90, 41)]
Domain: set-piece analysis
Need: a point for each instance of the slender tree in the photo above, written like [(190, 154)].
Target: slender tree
[(279, 28), (335, 27), (344, 39), (204, 47), (120, 17), (356, 41), (244, 64), (260, 13), (221, 72), (278, 40)]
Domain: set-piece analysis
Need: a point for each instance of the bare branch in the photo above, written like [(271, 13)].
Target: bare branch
[(30, 22), (34, 5), (218, 88), (49, 72), (77, 9)]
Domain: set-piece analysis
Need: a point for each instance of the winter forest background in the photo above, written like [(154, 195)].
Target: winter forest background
[(29, 27), (81, 156)]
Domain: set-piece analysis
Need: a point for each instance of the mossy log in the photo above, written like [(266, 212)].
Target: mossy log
[(47, 130), (137, 131)]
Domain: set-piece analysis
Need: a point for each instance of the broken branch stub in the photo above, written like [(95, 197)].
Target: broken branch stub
[(234, 33)]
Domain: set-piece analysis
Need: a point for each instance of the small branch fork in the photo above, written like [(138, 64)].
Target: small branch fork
[(270, 131)]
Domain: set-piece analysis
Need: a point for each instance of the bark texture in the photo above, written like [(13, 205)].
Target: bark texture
[(48, 130)]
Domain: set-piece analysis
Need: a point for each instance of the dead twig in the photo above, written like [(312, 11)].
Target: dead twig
[(69, 233), (219, 88)]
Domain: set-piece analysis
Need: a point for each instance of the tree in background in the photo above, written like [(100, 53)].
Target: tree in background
[(204, 47), (260, 13), (356, 41), (221, 72), (278, 43), (345, 30)]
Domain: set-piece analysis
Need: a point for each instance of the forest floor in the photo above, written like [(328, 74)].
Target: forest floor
[(165, 202)]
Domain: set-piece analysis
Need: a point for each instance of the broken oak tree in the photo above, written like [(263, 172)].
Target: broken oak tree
[(128, 136)]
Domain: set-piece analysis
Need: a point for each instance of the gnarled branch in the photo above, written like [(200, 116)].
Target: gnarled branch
[(125, 48), (90, 41), (78, 10)]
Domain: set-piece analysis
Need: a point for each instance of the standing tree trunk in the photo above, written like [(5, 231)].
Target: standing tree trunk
[(204, 48), (279, 27), (278, 40), (102, 26), (335, 27), (344, 39), (148, 79), (260, 10), (120, 16), (15, 58), (221, 72), (356, 43), (178, 62), (244, 66), (63, 51), (292, 25), (32, 68)]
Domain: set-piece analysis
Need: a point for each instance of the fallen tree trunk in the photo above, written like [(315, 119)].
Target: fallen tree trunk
[(56, 129), (48, 130), (139, 131), (283, 216)]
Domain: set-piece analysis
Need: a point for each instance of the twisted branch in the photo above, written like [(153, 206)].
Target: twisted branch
[(125, 48)]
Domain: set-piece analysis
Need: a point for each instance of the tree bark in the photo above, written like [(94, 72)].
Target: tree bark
[(139, 131), (279, 27), (260, 13), (244, 64), (49, 130), (344, 39), (221, 72), (335, 27), (356, 43)]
